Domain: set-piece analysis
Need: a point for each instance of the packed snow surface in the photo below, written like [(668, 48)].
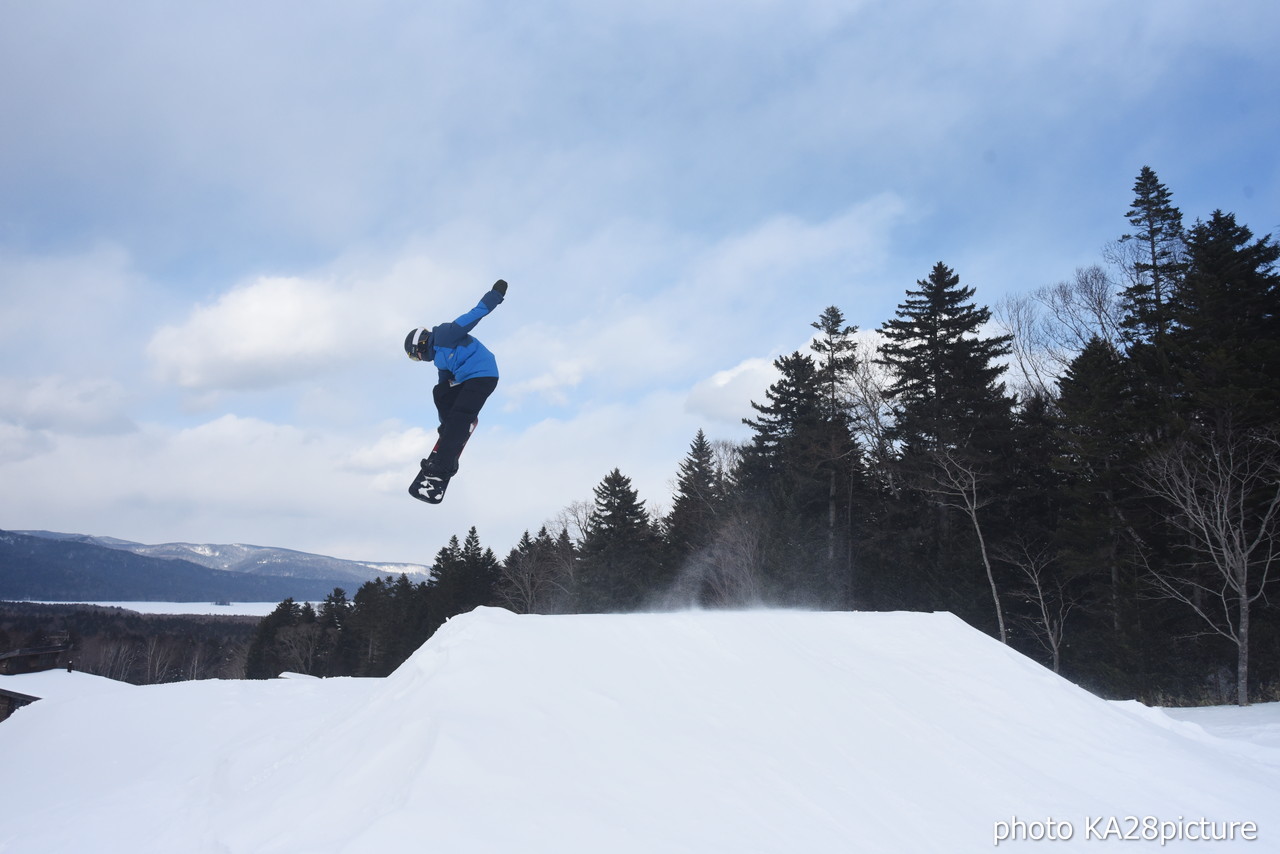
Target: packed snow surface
[(681, 732)]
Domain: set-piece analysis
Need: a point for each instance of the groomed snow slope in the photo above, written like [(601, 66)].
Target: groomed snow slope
[(683, 732)]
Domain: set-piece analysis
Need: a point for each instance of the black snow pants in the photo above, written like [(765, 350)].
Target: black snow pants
[(458, 406)]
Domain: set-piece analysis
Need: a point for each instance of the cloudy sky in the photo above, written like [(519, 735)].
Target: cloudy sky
[(218, 220)]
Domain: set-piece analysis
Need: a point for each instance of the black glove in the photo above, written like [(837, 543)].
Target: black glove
[(500, 286)]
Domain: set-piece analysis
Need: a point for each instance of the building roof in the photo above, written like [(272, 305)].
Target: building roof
[(58, 684), (29, 652)]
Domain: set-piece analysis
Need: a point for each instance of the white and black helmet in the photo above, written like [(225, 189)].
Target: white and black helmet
[(417, 344)]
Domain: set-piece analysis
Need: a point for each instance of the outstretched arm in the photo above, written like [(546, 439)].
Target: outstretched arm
[(488, 303)]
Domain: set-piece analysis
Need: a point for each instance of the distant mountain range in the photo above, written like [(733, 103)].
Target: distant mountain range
[(64, 567)]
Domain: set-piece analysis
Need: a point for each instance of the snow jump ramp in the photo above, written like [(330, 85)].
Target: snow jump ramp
[(708, 732)]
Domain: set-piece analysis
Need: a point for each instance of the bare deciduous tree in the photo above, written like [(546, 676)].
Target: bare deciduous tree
[(1051, 325), (1035, 363), (727, 572), (196, 662), (113, 659), (573, 519), (956, 482), (736, 562), (1083, 309), (159, 655), (1224, 490), (868, 403), (300, 646), (726, 455), (534, 582), (1045, 591)]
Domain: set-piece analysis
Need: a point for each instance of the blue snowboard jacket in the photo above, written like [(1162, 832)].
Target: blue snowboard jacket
[(459, 356)]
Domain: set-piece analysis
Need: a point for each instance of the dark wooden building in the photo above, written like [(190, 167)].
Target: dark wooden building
[(31, 660)]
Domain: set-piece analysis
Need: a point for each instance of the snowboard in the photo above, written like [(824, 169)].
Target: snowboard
[(430, 487)]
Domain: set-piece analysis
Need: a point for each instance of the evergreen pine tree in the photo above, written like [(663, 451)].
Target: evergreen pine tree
[(407, 620), (1156, 264), (1104, 440), (482, 573), (264, 659), (836, 451), (1226, 343), (953, 432), (368, 621), (335, 609), (836, 361), (341, 650), (620, 566), (784, 481), (698, 499), (787, 420), (946, 393), (465, 577)]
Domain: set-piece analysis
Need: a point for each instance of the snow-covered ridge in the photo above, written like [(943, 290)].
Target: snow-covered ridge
[(251, 559), (715, 733)]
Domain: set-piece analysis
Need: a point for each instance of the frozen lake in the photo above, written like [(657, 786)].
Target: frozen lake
[(235, 609)]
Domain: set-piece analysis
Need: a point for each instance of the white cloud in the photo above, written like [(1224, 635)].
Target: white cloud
[(394, 450), (19, 443), (725, 397), (76, 405), (242, 479), (230, 479), (270, 331), (561, 374)]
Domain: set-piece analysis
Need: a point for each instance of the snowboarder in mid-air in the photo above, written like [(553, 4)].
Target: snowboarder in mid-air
[(468, 375)]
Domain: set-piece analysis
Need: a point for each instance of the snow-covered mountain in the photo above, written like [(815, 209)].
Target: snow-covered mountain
[(73, 570), (714, 733), (253, 560)]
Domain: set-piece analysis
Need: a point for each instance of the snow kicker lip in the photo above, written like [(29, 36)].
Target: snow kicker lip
[(714, 732)]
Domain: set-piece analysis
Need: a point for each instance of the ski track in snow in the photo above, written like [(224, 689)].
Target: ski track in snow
[(708, 732)]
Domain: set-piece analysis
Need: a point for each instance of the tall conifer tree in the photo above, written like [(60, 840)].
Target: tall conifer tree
[(837, 360), (1156, 265), (777, 468), (698, 500), (836, 451), (946, 393), (1226, 344), (1104, 441), (954, 431), (620, 562), (793, 408), (465, 576)]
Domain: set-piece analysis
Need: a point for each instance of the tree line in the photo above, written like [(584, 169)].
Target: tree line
[(143, 649), (1090, 473), (373, 632)]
